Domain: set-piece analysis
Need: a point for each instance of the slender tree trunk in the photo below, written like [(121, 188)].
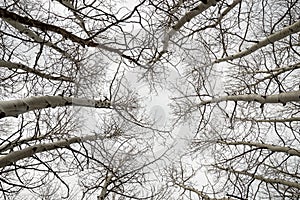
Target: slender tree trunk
[(14, 108), (283, 98)]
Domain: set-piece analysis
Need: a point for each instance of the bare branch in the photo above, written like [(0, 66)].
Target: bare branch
[(273, 148), (262, 178), (12, 65), (289, 30)]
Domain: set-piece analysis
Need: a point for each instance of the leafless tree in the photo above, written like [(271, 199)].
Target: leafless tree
[(66, 111), (243, 93), (66, 116)]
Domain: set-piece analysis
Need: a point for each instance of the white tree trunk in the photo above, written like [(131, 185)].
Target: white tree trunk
[(283, 98), (14, 108), (277, 120)]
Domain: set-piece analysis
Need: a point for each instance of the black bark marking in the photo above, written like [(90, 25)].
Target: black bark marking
[(48, 105), (106, 104), (68, 103), (2, 114), (34, 149), (194, 9), (283, 103)]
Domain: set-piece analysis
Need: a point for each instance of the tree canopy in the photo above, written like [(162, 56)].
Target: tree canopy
[(150, 99)]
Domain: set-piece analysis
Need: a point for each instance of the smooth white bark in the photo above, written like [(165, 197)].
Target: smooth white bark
[(14, 108), (283, 98)]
